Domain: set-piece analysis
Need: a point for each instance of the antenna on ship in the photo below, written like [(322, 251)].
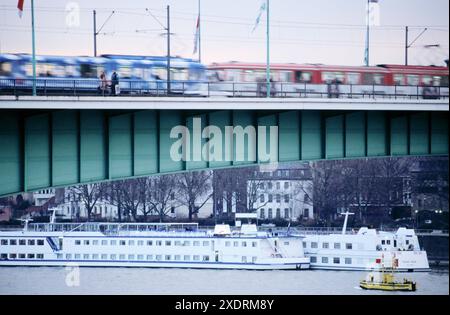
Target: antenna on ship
[(344, 228), (53, 216), (25, 228)]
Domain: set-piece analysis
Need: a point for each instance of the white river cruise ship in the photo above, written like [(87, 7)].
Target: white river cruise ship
[(150, 245), (366, 249)]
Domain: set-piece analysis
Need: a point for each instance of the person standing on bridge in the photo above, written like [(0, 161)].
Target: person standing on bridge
[(115, 83)]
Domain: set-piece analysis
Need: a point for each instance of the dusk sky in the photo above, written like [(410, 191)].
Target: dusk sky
[(319, 31)]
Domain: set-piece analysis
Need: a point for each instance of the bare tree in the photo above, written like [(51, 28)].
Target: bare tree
[(194, 190), (89, 195), (162, 195)]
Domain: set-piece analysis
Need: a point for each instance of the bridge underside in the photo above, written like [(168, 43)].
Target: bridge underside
[(49, 148)]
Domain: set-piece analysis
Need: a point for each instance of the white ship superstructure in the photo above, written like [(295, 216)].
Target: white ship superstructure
[(150, 245), (363, 250)]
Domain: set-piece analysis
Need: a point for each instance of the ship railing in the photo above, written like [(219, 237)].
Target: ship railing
[(138, 87)]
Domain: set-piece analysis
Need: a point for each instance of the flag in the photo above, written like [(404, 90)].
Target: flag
[(262, 8), (20, 7), (197, 35), (378, 261), (373, 13)]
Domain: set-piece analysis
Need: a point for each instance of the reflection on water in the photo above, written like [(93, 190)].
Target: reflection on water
[(60, 280)]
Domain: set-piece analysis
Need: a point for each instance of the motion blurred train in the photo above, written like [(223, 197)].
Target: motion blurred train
[(313, 79), (75, 75)]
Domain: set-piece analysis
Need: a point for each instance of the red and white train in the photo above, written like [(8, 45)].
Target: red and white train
[(313, 78)]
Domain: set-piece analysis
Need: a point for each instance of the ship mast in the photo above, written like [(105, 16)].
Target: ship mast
[(344, 228)]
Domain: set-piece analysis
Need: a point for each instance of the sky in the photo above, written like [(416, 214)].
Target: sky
[(319, 31)]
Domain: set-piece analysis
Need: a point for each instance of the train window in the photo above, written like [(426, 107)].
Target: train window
[(5, 68), (50, 70), (373, 78), (160, 73), (444, 80), (330, 76), (253, 76), (138, 73), (124, 72), (303, 76), (352, 78), (284, 76), (399, 79), (195, 74), (179, 74), (88, 71), (233, 75), (70, 71), (412, 79)]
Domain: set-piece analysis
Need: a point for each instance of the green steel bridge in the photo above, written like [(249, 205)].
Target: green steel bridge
[(60, 141)]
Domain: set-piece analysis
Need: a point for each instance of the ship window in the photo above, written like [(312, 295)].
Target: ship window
[(86, 242), (313, 244), (149, 243), (304, 244), (348, 261), (206, 258), (131, 257), (95, 242), (77, 256), (227, 244), (68, 256), (205, 243), (77, 242), (168, 243), (196, 243), (40, 256), (187, 257), (337, 245), (244, 244), (140, 243), (325, 245), (31, 242), (12, 256), (40, 242), (196, 257), (235, 244), (177, 243), (112, 242), (131, 243), (95, 256), (22, 242), (383, 242), (140, 257), (3, 256), (59, 256), (254, 244), (286, 243), (121, 257), (177, 257), (4, 242), (187, 243), (336, 260), (324, 260), (123, 242), (158, 257), (348, 245), (244, 259), (30, 256), (149, 257), (112, 256), (313, 259), (86, 256)]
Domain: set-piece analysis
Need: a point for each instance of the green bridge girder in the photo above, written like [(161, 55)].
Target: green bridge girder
[(42, 148)]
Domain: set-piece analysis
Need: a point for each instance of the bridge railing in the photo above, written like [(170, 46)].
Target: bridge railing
[(93, 87)]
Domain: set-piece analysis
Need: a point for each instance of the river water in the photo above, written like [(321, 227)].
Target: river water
[(65, 280)]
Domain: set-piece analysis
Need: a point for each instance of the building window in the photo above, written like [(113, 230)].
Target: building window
[(254, 244), (313, 259), (304, 244), (286, 213), (383, 242), (86, 242), (348, 246), (270, 198), (269, 186), (286, 185), (325, 245), (270, 214), (112, 243), (95, 242), (123, 242), (205, 243), (324, 260), (348, 261), (278, 213), (244, 244), (158, 243), (336, 260), (337, 245), (261, 214), (314, 245), (235, 243), (261, 198), (172, 210), (286, 198), (278, 185), (278, 196)]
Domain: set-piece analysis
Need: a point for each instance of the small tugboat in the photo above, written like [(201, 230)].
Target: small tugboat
[(385, 280)]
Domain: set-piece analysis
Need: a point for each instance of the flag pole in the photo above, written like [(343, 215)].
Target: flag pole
[(199, 34), (367, 34), (33, 48), (268, 53)]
